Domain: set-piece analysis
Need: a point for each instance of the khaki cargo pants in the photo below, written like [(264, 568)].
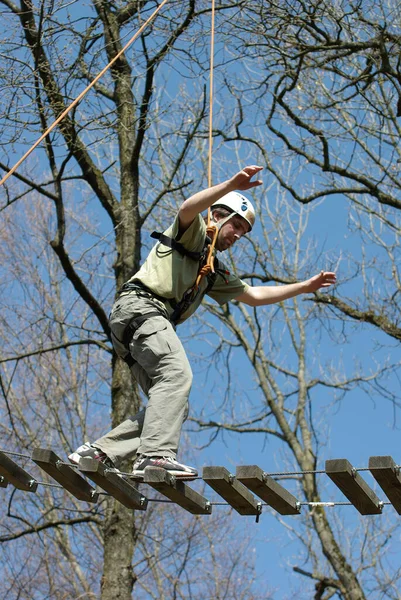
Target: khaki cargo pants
[(162, 370)]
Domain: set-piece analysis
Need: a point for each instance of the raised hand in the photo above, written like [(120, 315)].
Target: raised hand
[(242, 179)]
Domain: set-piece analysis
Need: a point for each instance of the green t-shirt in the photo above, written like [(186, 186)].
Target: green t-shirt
[(169, 274)]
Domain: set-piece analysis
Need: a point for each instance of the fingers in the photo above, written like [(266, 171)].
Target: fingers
[(255, 183), (253, 168), (326, 279), (329, 276), (244, 177)]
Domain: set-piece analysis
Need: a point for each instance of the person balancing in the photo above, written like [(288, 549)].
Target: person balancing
[(167, 290)]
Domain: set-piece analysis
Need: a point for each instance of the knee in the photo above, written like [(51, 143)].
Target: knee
[(178, 374), (183, 375), (138, 419)]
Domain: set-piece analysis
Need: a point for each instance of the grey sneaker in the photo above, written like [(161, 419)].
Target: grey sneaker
[(163, 462), (89, 451)]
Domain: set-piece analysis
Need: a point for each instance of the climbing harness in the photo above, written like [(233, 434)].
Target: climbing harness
[(174, 245), (209, 267), (142, 290), (130, 330)]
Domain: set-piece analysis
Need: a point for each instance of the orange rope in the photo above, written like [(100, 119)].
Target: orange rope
[(211, 230), (208, 267), (209, 176), (82, 94)]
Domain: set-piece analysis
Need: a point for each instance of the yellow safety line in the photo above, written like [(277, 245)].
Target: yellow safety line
[(211, 229), (209, 167), (211, 99)]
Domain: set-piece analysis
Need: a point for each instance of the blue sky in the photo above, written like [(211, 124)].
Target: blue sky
[(360, 425)]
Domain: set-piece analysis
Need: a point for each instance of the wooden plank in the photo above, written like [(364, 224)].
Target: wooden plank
[(16, 475), (353, 486), (177, 491), (64, 474), (233, 491), (113, 483), (387, 475), (271, 492)]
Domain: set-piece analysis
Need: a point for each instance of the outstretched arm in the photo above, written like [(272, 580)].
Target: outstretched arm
[(202, 200), (270, 294)]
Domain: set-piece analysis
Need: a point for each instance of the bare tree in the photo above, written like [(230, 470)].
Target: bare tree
[(290, 385), (324, 80), (309, 90), (329, 89), (113, 159), (54, 544)]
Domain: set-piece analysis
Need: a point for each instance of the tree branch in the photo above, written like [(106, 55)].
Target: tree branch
[(365, 316), (93, 175), (39, 351), (50, 525)]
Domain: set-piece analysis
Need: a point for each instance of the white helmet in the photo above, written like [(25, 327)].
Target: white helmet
[(238, 204)]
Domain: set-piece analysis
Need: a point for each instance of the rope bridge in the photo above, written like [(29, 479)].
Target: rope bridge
[(239, 490)]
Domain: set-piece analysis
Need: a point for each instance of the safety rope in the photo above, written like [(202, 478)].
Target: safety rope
[(209, 170), (83, 93), (211, 232), (211, 229)]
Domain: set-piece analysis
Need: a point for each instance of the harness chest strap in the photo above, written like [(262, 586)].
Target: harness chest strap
[(136, 322), (208, 267), (174, 245)]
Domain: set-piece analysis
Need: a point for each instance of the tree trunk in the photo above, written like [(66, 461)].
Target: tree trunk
[(117, 580)]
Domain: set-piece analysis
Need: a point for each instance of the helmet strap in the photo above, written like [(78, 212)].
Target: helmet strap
[(219, 224)]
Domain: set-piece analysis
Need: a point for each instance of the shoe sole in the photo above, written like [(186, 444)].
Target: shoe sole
[(176, 474), (74, 458)]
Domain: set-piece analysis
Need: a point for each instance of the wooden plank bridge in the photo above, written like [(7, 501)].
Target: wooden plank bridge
[(238, 490)]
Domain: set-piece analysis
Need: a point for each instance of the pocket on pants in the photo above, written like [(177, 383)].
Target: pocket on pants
[(153, 340)]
